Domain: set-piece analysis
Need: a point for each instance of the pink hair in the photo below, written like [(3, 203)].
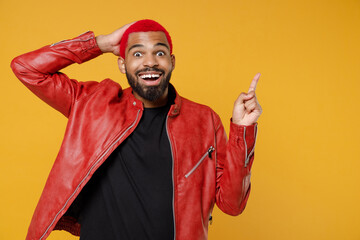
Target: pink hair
[(145, 25)]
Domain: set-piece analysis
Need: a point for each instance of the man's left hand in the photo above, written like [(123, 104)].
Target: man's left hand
[(247, 109)]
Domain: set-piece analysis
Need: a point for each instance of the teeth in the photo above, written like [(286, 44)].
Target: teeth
[(150, 76)]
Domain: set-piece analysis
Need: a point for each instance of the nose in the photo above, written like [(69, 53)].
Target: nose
[(150, 61)]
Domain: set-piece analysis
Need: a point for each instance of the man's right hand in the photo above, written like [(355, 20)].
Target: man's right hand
[(111, 42)]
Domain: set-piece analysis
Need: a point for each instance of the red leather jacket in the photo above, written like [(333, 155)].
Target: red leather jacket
[(207, 169)]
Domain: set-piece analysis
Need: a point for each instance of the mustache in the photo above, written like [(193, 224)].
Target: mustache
[(149, 70)]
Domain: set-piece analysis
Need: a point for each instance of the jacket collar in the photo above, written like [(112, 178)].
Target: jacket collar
[(173, 96)]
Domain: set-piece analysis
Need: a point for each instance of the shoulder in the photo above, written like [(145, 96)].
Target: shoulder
[(104, 87), (200, 111), (186, 103), (108, 84)]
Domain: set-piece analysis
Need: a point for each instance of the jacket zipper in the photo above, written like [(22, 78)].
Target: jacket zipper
[(172, 173), (67, 41), (208, 153), (72, 40), (88, 173), (247, 156)]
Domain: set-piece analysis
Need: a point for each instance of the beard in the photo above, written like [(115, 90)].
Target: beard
[(150, 93)]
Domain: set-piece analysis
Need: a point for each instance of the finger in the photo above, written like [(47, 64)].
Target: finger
[(244, 97), (126, 26), (241, 98), (250, 95), (254, 82), (250, 103), (121, 31), (253, 107)]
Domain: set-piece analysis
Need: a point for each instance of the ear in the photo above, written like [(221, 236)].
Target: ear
[(121, 64), (173, 61)]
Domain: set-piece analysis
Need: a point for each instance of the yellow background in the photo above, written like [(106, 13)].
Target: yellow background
[(305, 178)]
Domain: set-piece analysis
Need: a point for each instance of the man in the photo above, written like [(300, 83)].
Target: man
[(139, 163)]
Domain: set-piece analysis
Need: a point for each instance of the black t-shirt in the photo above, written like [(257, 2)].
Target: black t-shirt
[(130, 196)]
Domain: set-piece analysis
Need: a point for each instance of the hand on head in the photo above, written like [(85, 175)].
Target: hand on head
[(110, 42), (116, 42)]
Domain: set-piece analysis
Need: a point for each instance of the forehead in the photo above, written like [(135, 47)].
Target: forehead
[(147, 38)]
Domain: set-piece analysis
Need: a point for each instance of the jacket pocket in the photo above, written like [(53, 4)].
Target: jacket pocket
[(208, 153)]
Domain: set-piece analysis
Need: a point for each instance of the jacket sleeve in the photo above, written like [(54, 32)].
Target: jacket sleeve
[(233, 168), (38, 71)]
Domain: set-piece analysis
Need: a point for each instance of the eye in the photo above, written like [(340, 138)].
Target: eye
[(137, 54), (160, 53)]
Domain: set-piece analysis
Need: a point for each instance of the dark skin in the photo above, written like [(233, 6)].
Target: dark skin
[(146, 49)]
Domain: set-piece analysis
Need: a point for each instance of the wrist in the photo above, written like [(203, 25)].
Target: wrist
[(102, 43), (237, 121), (242, 123)]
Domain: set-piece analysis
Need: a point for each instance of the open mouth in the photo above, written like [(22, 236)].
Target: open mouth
[(150, 78)]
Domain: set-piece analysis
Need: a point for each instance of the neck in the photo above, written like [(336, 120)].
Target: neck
[(162, 101)]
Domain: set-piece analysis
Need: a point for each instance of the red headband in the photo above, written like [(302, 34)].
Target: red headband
[(145, 25)]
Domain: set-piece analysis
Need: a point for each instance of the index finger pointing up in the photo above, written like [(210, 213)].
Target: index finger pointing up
[(254, 82)]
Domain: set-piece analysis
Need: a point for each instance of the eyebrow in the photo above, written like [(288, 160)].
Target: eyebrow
[(134, 46), (141, 45), (162, 44)]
